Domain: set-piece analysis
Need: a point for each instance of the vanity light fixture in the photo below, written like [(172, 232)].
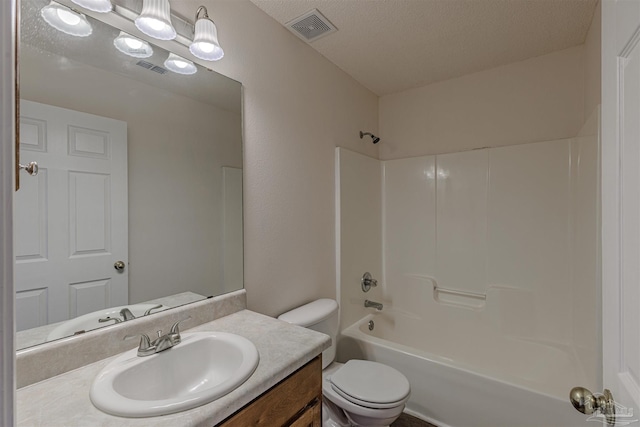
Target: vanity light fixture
[(179, 65), (101, 6), (132, 46), (205, 43), (155, 20), (66, 20)]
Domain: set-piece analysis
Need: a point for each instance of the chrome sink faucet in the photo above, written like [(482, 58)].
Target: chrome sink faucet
[(373, 304), (127, 315), (148, 347)]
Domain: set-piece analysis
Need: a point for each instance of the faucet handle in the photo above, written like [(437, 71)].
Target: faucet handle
[(127, 314), (155, 307), (367, 282), (144, 348), (174, 333)]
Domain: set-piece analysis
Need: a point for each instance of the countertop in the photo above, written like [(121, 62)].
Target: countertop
[(64, 400)]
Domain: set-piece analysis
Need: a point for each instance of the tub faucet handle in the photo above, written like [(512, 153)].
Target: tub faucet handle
[(367, 282)]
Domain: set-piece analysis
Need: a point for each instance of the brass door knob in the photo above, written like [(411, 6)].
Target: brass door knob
[(119, 266), (586, 402), (31, 168)]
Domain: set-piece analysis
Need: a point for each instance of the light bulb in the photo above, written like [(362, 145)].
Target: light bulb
[(68, 17), (179, 65), (132, 46), (155, 20), (66, 20), (206, 47), (205, 43), (155, 24), (133, 43)]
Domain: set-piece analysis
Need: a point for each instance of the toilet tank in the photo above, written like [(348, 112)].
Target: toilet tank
[(320, 315)]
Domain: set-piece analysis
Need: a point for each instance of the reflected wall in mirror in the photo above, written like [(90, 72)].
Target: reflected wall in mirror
[(138, 164)]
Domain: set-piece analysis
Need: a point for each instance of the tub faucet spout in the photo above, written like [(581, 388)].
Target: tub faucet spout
[(373, 304)]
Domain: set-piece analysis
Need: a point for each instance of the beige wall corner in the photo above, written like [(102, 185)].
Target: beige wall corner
[(593, 72), (297, 108), (538, 99)]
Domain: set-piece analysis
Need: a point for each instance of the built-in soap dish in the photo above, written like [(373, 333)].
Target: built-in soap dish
[(459, 298)]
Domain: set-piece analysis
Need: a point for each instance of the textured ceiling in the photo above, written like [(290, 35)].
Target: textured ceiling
[(393, 45)]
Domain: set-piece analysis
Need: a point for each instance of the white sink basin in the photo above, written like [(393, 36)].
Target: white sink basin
[(202, 368), (89, 321)]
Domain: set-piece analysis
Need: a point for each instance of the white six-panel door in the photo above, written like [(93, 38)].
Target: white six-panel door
[(621, 205), (71, 219)]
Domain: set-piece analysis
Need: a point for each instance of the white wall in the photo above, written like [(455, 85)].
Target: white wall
[(592, 69), (498, 223), (360, 241), (541, 99), (516, 224), (297, 108), (538, 99), (516, 227), (175, 227), (585, 242), (409, 247), (233, 239)]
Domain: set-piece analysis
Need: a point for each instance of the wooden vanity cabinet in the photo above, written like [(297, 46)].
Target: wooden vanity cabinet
[(294, 402)]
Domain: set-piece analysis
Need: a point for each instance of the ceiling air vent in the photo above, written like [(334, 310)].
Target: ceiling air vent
[(311, 26), (151, 67)]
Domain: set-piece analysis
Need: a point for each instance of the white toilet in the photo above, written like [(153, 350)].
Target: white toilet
[(359, 392)]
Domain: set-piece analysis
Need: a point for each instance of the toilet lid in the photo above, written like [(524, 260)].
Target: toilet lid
[(370, 384)]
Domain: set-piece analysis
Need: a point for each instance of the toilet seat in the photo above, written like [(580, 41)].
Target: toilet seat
[(351, 409), (370, 384)]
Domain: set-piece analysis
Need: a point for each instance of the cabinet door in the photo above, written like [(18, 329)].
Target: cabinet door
[(311, 417), (282, 403)]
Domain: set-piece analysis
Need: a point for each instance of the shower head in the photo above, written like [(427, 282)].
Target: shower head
[(373, 137)]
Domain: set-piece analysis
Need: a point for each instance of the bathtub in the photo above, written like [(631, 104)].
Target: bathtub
[(467, 377)]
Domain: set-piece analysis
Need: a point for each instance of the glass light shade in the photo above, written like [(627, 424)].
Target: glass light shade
[(205, 43), (132, 46), (101, 6), (179, 65), (155, 20), (66, 20)]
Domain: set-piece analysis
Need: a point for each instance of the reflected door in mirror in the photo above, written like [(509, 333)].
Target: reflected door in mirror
[(71, 219)]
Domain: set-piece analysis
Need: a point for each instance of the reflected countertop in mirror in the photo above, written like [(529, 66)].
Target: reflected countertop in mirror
[(138, 165)]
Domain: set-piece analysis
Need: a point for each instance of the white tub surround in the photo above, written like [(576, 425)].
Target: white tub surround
[(54, 358), (499, 241), (64, 400), (488, 268)]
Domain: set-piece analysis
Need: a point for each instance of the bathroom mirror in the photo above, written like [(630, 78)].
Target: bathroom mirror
[(138, 198)]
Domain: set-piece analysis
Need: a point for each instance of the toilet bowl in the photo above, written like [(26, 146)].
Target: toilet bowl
[(380, 406), (358, 392)]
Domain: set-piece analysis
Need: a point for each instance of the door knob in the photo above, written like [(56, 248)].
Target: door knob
[(588, 403), (31, 168), (119, 266)]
